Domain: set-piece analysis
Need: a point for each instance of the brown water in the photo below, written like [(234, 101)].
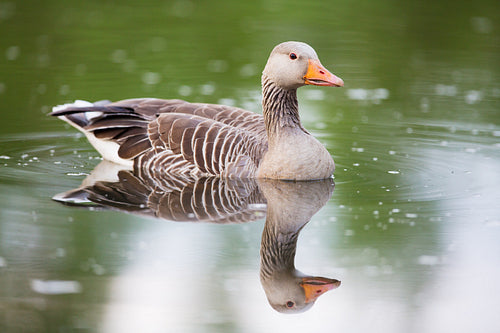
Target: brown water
[(411, 229)]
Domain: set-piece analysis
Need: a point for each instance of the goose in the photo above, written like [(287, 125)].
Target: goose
[(287, 206), (195, 140)]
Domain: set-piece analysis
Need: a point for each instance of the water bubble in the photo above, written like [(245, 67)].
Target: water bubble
[(151, 78), (64, 90), (482, 25), (248, 70), (473, 96), (119, 56), (12, 52), (185, 90), (428, 260), (445, 90), (182, 8), (349, 232), (217, 66), (207, 89)]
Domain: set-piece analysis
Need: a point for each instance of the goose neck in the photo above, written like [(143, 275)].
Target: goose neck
[(280, 108)]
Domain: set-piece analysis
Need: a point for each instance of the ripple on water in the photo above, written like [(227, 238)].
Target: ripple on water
[(430, 162), (44, 157)]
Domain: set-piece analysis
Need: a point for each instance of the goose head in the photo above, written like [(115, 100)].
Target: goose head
[(293, 292), (294, 64)]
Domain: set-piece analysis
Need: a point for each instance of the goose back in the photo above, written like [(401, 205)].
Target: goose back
[(188, 139)]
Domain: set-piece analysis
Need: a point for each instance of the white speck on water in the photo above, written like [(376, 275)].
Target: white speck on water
[(392, 152), (77, 174), (375, 158), (55, 287), (445, 90), (12, 52), (496, 133), (424, 104), (371, 270), (151, 78), (321, 125), (248, 70), (349, 232), (482, 25), (5, 157), (98, 269), (358, 150), (119, 56), (355, 164), (227, 101), (207, 89), (393, 172), (64, 90), (373, 95), (411, 215), (471, 150), (428, 260), (473, 96), (185, 90), (314, 94), (217, 66), (395, 210), (409, 130), (60, 252)]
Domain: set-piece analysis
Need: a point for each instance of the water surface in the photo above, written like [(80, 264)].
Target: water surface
[(411, 229)]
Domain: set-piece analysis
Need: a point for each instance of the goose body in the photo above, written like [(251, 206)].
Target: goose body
[(193, 140)]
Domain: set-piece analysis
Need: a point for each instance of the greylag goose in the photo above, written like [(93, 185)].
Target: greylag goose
[(195, 140), (290, 207)]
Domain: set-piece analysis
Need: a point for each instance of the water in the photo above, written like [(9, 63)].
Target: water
[(412, 226)]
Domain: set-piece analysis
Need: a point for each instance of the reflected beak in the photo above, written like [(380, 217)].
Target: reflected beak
[(319, 76), (317, 286)]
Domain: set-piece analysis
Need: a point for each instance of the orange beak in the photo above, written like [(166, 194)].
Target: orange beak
[(317, 286), (319, 76)]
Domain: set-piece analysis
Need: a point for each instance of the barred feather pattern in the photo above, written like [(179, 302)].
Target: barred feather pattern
[(191, 140), (212, 199)]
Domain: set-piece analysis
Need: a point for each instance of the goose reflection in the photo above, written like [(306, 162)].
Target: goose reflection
[(288, 207)]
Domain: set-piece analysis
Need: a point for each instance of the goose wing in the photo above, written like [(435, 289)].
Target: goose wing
[(190, 138)]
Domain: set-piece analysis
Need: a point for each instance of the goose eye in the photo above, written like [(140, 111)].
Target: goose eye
[(293, 56), (289, 304)]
